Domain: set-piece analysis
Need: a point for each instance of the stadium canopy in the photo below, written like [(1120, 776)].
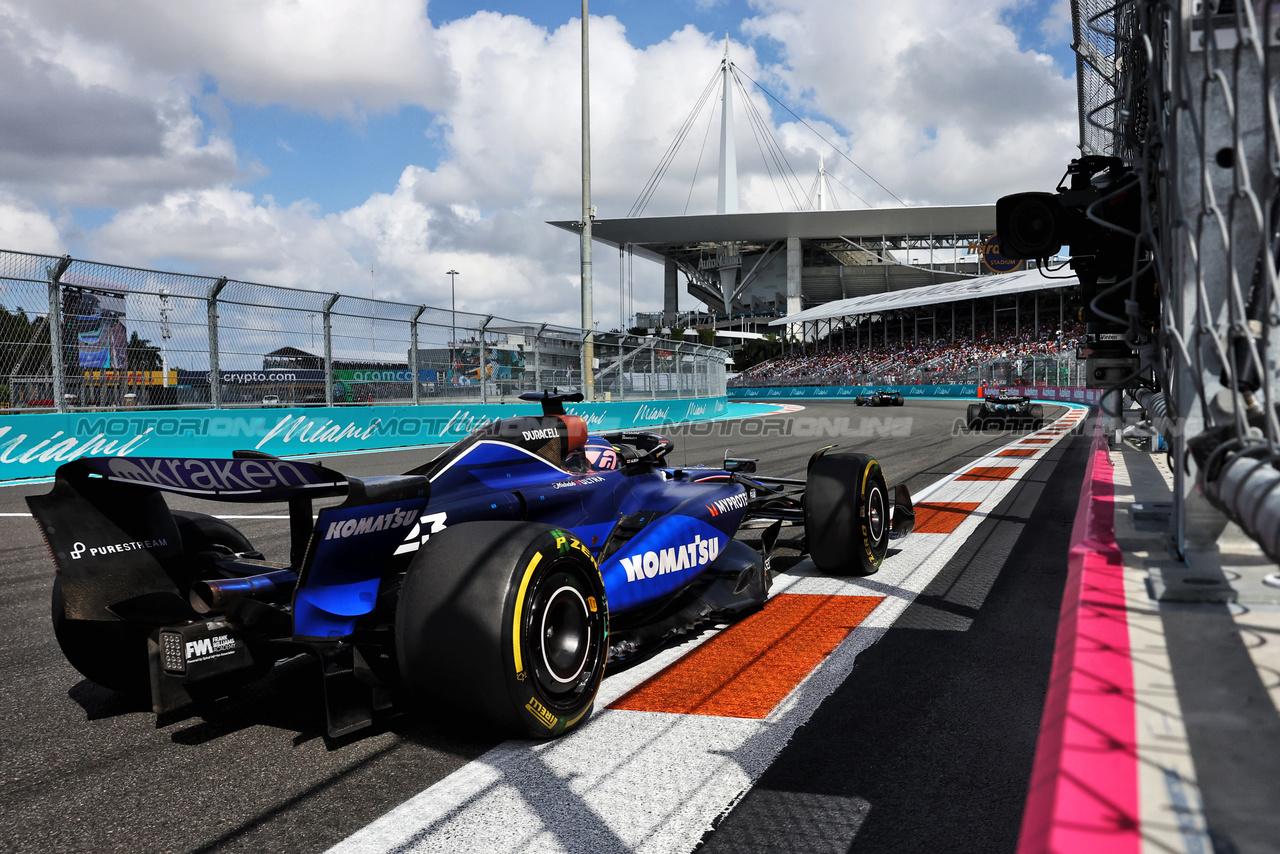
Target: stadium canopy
[(982, 287)]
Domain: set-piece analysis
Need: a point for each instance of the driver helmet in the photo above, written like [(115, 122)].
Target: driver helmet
[(600, 455)]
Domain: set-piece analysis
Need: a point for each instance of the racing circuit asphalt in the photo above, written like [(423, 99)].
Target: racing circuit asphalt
[(927, 746)]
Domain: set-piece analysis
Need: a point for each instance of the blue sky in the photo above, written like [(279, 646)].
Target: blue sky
[(300, 145)]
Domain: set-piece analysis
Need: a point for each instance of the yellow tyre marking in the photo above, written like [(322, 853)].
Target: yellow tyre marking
[(515, 619)]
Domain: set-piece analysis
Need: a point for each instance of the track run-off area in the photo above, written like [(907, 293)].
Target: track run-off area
[(897, 712)]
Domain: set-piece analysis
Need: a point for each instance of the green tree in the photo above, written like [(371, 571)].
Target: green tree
[(756, 350), (142, 355)]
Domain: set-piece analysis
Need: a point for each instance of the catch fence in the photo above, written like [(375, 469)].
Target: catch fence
[(79, 335), (1185, 93)]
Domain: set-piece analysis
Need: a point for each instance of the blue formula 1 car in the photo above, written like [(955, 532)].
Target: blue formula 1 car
[(499, 580)]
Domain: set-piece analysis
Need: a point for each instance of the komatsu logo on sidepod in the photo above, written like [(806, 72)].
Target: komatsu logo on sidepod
[(724, 505), (698, 553)]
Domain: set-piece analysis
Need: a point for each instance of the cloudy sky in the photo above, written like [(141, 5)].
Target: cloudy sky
[(307, 142)]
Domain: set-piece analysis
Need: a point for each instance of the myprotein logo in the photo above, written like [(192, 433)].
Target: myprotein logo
[(694, 555), (80, 549), (727, 505), (368, 524)]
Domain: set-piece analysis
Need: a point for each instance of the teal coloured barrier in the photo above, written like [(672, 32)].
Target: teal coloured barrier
[(782, 392), (33, 446)]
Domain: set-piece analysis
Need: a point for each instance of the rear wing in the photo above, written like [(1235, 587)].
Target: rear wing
[(247, 478), (118, 549)]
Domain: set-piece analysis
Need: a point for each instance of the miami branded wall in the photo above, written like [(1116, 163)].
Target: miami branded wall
[(33, 446)]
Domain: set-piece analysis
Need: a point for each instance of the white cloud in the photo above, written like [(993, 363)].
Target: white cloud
[(944, 109), (339, 59), (26, 228)]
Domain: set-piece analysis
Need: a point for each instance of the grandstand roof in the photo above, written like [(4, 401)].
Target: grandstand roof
[(979, 288), (655, 237)]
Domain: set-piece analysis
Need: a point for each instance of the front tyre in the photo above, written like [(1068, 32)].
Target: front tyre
[(506, 621), (846, 514)]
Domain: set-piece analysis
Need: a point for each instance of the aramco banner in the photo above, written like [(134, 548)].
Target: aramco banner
[(33, 446)]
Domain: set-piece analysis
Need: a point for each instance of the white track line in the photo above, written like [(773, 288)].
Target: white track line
[(656, 782)]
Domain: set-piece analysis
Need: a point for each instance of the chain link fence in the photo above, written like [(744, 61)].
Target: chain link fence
[(81, 335), (1185, 93)]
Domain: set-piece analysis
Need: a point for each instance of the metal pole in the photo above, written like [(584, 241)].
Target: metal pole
[(215, 375), (588, 213), (453, 311), (537, 357), (653, 372), (55, 332), (328, 349), (413, 355), (484, 380)]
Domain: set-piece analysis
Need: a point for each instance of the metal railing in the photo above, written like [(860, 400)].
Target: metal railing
[(82, 335), (1185, 91)]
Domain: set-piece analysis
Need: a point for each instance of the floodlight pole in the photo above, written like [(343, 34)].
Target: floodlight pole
[(588, 348)]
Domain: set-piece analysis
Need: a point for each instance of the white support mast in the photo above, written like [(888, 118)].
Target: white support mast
[(822, 181), (727, 199)]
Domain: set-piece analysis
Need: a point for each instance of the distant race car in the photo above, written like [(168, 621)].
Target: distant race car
[(1005, 410), (497, 581), (880, 398)]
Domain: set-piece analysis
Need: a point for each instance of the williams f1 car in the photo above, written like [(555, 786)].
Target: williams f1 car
[(880, 398), (1005, 410), (499, 580)]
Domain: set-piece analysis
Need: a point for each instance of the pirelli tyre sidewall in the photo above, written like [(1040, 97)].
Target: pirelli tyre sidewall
[(507, 621), (846, 513)]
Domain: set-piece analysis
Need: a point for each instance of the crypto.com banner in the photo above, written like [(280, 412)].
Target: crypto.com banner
[(33, 446)]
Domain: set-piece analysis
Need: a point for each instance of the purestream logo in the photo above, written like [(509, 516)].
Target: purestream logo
[(694, 555), (368, 524), (78, 550)]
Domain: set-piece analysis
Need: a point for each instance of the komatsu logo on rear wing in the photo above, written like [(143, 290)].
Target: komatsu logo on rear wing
[(694, 555), (725, 505)]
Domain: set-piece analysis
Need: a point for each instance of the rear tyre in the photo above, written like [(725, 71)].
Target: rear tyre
[(205, 539), (1037, 416), (111, 653), (973, 416), (505, 621), (846, 514)]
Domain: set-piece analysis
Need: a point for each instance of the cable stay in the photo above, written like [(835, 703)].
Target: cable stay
[(821, 137), (771, 150), (651, 186)]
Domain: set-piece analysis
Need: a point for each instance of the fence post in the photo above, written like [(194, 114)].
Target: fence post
[(484, 380), (56, 365), (537, 358), (215, 377), (653, 372), (328, 349), (413, 354)]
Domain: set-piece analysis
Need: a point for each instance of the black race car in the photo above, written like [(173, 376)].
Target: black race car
[(880, 398), (999, 411), (498, 581)]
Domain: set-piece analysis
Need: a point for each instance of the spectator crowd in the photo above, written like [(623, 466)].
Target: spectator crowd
[(836, 360)]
